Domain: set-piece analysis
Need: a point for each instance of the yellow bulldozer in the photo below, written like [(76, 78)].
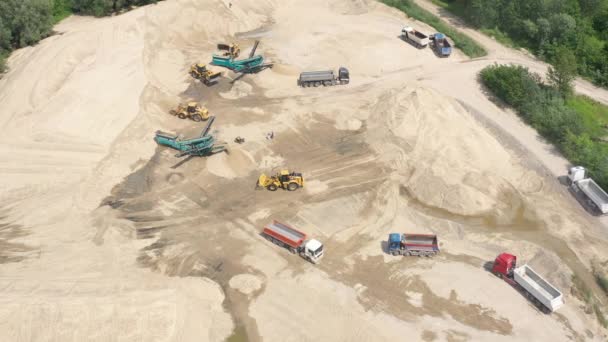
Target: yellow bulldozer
[(192, 111), (284, 179), (232, 50), (200, 72)]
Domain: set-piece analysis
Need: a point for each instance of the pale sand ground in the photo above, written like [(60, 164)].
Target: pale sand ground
[(392, 151)]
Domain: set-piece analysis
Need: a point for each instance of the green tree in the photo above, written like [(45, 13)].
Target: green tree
[(27, 20), (563, 71)]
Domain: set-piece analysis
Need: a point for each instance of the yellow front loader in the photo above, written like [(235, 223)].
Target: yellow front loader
[(284, 179)]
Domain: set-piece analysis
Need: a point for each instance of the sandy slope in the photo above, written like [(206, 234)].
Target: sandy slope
[(176, 255)]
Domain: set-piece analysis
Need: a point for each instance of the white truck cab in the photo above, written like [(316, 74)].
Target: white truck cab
[(313, 250)]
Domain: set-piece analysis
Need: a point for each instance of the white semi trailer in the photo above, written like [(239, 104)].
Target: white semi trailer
[(596, 195)]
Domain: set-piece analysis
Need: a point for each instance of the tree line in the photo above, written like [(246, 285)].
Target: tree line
[(549, 109), (25, 22), (546, 26)]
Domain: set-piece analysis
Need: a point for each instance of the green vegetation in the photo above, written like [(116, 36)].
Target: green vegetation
[(576, 125), (461, 41), (600, 316), (601, 280), (25, 22), (580, 290), (500, 37), (545, 27)]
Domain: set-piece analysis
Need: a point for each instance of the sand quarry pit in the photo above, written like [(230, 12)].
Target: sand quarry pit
[(107, 236)]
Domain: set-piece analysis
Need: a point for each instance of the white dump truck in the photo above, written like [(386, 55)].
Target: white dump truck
[(544, 295), (596, 195), (417, 38)]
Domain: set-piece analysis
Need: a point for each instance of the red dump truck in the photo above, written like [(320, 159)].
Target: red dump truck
[(294, 240), (544, 295)]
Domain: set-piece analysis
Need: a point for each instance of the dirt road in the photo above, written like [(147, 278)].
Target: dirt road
[(101, 223)]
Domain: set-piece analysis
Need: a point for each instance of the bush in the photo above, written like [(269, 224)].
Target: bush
[(545, 26), (563, 123)]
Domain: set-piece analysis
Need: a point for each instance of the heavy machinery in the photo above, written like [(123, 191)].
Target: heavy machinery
[(283, 179), (441, 45), (544, 295), (202, 146), (596, 195), (251, 64), (294, 240), (324, 78), (413, 244), (232, 50), (419, 39), (200, 72), (192, 111)]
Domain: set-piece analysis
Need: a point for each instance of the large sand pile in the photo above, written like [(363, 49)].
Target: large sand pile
[(450, 161), (79, 111)]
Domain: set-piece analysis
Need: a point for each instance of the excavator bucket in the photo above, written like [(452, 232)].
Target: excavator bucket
[(263, 181)]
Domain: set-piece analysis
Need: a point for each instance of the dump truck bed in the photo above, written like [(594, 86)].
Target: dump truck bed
[(325, 75), (538, 287), (285, 233), (422, 242), (595, 193)]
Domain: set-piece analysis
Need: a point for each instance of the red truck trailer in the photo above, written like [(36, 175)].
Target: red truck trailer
[(294, 240)]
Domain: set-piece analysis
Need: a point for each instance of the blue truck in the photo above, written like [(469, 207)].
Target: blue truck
[(413, 244), (441, 45)]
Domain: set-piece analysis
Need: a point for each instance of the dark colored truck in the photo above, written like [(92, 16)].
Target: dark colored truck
[(323, 78), (441, 45), (413, 244)]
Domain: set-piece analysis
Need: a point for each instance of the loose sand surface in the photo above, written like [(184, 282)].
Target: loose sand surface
[(107, 236)]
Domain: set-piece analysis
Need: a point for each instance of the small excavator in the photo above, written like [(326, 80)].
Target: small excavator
[(231, 50), (284, 179), (204, 145), (252, 64), (192, 111), (200, 72)]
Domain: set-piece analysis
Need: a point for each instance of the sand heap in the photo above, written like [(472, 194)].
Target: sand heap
[(447, 160)]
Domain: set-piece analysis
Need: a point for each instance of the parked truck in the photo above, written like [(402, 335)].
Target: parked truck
[(544, 295), (294, 240), (325, 78), (413, 244), (419, 39), (594, 193), (441, 45)]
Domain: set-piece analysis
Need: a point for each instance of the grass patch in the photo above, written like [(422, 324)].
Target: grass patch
[(2, 63), (453, 7), (61, 10), (600, 315), (602, 281), (593, 114), (461, 41), (580, 290), (500, 37)]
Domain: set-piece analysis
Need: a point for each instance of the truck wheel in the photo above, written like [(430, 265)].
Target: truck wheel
[(317, 84), (181, 116), (197, 118), (272, 187), (172, 112), (292, 186)]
